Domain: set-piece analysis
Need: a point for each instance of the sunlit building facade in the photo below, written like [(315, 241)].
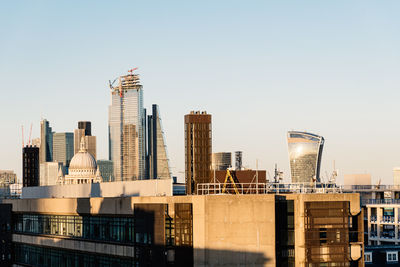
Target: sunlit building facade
[(126, 129), (305, 151), (198, 149)]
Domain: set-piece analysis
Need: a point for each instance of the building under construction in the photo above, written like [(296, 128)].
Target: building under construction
[(127, 128)]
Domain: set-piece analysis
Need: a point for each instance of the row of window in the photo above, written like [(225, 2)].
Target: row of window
[(113, 229), (391, 257), (49, 257)]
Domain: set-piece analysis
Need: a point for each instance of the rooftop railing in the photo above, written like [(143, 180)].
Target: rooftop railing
[(266, 188)]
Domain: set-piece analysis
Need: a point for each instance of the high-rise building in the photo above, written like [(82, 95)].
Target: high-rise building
[(157, 157), (46, 142), (305, 152), (63, 148), (238, 160), (49, 173), (87, 126), (30, 166), (106, 169), (198, 149), (221, 161), (126, 127), (85, 130)]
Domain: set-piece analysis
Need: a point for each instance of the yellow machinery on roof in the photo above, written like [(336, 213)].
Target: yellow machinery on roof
[(231, 176)]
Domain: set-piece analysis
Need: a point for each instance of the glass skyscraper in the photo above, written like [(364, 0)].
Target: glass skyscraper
[(157, 157), (126, 128), (305, 152)]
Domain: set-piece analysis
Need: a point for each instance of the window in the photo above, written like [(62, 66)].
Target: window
[(368, 257), (391, 256)]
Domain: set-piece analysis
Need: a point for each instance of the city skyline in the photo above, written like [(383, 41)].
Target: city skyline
[(320, 74)]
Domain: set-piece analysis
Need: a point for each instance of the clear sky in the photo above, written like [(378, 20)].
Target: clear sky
[(260, 68)]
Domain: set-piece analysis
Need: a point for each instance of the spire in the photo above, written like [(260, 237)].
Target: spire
[(83, 145)]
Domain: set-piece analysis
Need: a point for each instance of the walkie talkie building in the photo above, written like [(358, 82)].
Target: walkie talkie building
[(305, 152)]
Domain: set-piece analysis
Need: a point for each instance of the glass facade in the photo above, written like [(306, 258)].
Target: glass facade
[(305, 151), (63, 148), (108, 229), (42, 256), (126, 129), (158, 163)]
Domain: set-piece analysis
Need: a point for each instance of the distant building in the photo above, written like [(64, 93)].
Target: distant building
[(157, 157), (7, 177), (221, 161), (63, 148), (396, 176), (49, 173), (46, 142), (85, 129), (126, 124), (106, 169), (36, 142), (82, 170), (30, 166), (357, 179), (87, 126), (305, 152), (238, 160), (198, 149)]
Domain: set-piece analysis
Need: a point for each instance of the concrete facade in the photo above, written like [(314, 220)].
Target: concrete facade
[(228, 230), (111, 189)]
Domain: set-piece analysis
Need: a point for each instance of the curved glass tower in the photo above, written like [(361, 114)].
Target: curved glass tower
[(305, 151)]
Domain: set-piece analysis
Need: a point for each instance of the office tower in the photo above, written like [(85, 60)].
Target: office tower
[(238, 160), (87, 126), (221, 161), (126, 122), (49, 173), (30, 166), (157, 158), (198, 148), (106, 169), (7, 177), (305, 152), (85, 129), (46, 142), (63, 148)]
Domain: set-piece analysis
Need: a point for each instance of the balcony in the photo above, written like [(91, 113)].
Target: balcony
[(387, 219)]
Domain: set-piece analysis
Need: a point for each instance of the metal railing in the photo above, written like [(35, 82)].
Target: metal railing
[(267, 188)]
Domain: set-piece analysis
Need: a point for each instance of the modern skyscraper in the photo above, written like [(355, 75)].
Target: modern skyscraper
[(63, 148), (305, 152), (106, 169), (30, 166), (126, 127), (85, 129), (46, 142), (157, 157), (87, 126), (221, 161), (49, 173), (198, 148)]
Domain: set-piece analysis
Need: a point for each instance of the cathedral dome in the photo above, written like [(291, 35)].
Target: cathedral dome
[(83, 160)]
